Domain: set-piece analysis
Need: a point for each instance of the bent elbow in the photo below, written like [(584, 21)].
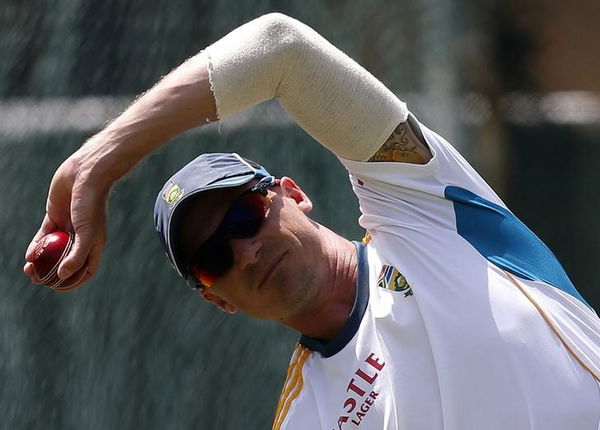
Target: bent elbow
[(283, 33)]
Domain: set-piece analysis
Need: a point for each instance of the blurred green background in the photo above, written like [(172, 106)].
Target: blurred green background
[(513, 84)]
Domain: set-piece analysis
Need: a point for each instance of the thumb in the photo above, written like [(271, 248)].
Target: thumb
[(88, 217), (82, 245)]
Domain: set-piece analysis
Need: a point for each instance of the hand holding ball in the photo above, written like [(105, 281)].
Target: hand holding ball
[(49, 253)]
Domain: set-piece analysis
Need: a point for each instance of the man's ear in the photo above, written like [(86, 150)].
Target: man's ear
[(290, 189), (218, 301)]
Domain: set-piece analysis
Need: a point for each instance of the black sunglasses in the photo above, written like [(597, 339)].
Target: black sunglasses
[(243, 219)]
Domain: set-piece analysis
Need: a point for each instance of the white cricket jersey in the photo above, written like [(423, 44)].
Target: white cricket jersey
[(463, 319)]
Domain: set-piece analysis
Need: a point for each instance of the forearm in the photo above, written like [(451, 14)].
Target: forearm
[(180, 101), (334, 99)]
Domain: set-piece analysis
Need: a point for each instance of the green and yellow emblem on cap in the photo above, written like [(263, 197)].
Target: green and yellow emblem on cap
[(172, 194)]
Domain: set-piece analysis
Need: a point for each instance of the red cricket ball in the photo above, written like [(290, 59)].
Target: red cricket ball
[(49, 252)]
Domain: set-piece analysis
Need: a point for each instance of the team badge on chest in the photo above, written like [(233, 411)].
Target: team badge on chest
[(391, 279)]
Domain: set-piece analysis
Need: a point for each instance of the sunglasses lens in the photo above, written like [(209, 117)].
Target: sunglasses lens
[(245, 216), (212, 260), (243, 219)]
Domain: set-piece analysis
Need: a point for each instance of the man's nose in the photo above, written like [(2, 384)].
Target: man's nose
[(246, 251)]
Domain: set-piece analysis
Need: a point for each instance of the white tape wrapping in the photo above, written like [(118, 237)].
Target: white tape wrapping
[(327, 93)]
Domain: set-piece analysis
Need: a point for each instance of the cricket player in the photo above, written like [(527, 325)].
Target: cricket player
[(451, 315)]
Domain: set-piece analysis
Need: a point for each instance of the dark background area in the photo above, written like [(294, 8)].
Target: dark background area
[(514, 85)]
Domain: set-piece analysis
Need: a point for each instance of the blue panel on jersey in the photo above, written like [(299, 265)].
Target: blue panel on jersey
[(504, 240)]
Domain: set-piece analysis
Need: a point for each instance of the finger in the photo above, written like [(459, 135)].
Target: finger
[(91, 266), (28, 270), (48, 226), (78, 255), (75, 281), (59, 212), (94, 259)]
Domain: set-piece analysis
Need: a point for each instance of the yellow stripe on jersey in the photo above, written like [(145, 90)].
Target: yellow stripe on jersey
[(292, 385), (552, 327)]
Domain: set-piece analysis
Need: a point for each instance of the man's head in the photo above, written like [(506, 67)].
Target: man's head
[(208, 172), (240, 235)]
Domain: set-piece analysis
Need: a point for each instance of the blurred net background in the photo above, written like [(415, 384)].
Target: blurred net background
[(514, 84)]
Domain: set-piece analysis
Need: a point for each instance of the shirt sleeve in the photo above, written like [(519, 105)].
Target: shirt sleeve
[(447, 167)]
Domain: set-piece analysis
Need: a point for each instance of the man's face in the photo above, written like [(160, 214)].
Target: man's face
[(275, 272)]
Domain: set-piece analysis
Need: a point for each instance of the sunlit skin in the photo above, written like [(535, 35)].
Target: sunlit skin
[(293, 270)]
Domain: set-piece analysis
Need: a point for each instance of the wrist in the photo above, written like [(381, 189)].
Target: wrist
[(102, 160)]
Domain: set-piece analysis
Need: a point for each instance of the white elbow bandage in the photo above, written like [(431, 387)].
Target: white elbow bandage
[(328, 94)]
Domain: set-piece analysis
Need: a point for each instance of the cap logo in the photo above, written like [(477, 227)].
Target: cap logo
[(172, 193)]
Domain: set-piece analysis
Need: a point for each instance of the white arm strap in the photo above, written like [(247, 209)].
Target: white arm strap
[(328, 94)]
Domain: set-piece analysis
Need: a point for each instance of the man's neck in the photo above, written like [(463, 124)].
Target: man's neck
[(333, 307)]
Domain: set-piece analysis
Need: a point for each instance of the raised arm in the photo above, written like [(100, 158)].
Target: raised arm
[(334, 99)]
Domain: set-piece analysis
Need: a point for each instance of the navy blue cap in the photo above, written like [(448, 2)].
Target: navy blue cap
[(207, 172)]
